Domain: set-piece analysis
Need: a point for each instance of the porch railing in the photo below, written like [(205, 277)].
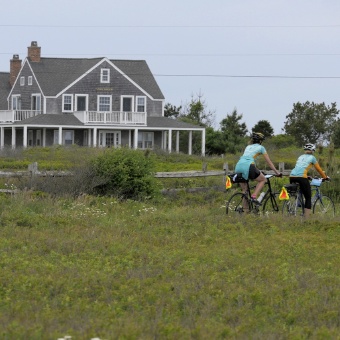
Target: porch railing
[(17, 115), (113, 117), (87, 117)]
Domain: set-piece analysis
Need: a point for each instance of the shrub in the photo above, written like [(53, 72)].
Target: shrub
[(126, 173)]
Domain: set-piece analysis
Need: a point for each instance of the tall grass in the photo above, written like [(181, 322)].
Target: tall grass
[(175, 268)]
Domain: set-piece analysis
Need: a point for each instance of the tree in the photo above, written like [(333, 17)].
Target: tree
[(172, 111), (311, 122), (215, 144), (233, 131), (196, 112), (336, 134), (264, 127)]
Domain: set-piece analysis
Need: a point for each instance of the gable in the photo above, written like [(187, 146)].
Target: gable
[(54, 75), (5, 89)]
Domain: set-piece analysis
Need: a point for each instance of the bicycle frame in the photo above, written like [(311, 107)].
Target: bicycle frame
[(321, 204), (240, 201)]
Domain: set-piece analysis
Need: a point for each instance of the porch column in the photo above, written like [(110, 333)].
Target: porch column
[(13, 137), (95, 137), (60, 136), (24, 142), (170, 141), (89, 134), (135, 140), (190, 143), (44, 137), (177, 141), (164, 140), (203, 142), (2, 137)]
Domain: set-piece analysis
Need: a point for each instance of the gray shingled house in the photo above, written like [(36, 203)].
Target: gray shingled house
[(90, 102)]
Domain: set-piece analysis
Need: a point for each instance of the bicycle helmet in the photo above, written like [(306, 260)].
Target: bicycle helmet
[(257, 137), (309, 146)]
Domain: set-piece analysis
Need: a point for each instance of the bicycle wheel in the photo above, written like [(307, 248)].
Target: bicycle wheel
[(270, 205), (293, 207), (324, 206), (237, 204)]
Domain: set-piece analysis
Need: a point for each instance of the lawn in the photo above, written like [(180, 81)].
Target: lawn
[(172, 268)]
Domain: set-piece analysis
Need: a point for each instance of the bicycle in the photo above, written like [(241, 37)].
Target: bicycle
[(240, 202), (322, 205)]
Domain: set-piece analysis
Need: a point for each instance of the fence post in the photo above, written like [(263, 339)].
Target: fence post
[(281, 167), (226, 170), (33, 169)]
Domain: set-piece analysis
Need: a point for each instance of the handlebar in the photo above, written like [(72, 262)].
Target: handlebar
[(327, 179), (272, 175)]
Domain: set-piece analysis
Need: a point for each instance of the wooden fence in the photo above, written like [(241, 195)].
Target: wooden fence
[(33, 171)]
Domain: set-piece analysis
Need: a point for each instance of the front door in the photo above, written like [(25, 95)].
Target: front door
[(81, 103), (109, 139)]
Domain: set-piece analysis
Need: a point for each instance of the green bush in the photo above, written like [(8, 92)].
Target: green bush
[(127, 174)]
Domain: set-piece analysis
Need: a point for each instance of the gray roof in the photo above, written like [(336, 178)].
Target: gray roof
[(51, 119), (160, 122), (71, 120), (5, 88), (55, 74)]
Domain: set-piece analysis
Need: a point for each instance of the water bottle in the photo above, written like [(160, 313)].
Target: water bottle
[(261, 196)]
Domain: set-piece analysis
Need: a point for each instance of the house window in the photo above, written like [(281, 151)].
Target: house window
[(105, 75), (67, 102), (16, 102), (104, 103), (145, 140), (22, 81), (127, 103), (36, 102), (140, 104), (67, 137), (29, 81)]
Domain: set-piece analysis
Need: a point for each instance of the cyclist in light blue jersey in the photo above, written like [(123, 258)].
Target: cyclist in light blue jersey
[(300, 175), (246, 164)]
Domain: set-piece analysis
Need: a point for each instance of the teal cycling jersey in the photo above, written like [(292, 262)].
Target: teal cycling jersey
[(251, 152), (303, 164)]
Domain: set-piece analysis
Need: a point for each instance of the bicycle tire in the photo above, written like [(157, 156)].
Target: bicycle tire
[(235, 204), (293, 207), (270, 205), (324, 206)]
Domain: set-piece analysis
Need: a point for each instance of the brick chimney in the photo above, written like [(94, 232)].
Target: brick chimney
[(33, 52), (15, 67)]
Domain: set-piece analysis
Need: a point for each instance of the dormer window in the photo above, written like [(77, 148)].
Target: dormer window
[(105, 75), (22, 81)]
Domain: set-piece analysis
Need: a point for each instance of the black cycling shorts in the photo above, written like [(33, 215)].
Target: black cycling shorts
[(305, 189), (254, 172)]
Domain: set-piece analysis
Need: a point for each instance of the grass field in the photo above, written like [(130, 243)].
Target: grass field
[(173, 268)]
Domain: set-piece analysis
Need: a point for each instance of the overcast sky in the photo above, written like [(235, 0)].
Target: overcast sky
[(259, 57)]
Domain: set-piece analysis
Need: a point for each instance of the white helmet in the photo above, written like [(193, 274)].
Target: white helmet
[(309, 146)]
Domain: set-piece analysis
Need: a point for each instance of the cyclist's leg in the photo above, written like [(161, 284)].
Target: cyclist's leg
[(261, 181), (245, 203), (306, 192)]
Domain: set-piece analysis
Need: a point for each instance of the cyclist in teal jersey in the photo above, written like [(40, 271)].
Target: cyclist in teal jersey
[(300, 175), (246, 164)]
